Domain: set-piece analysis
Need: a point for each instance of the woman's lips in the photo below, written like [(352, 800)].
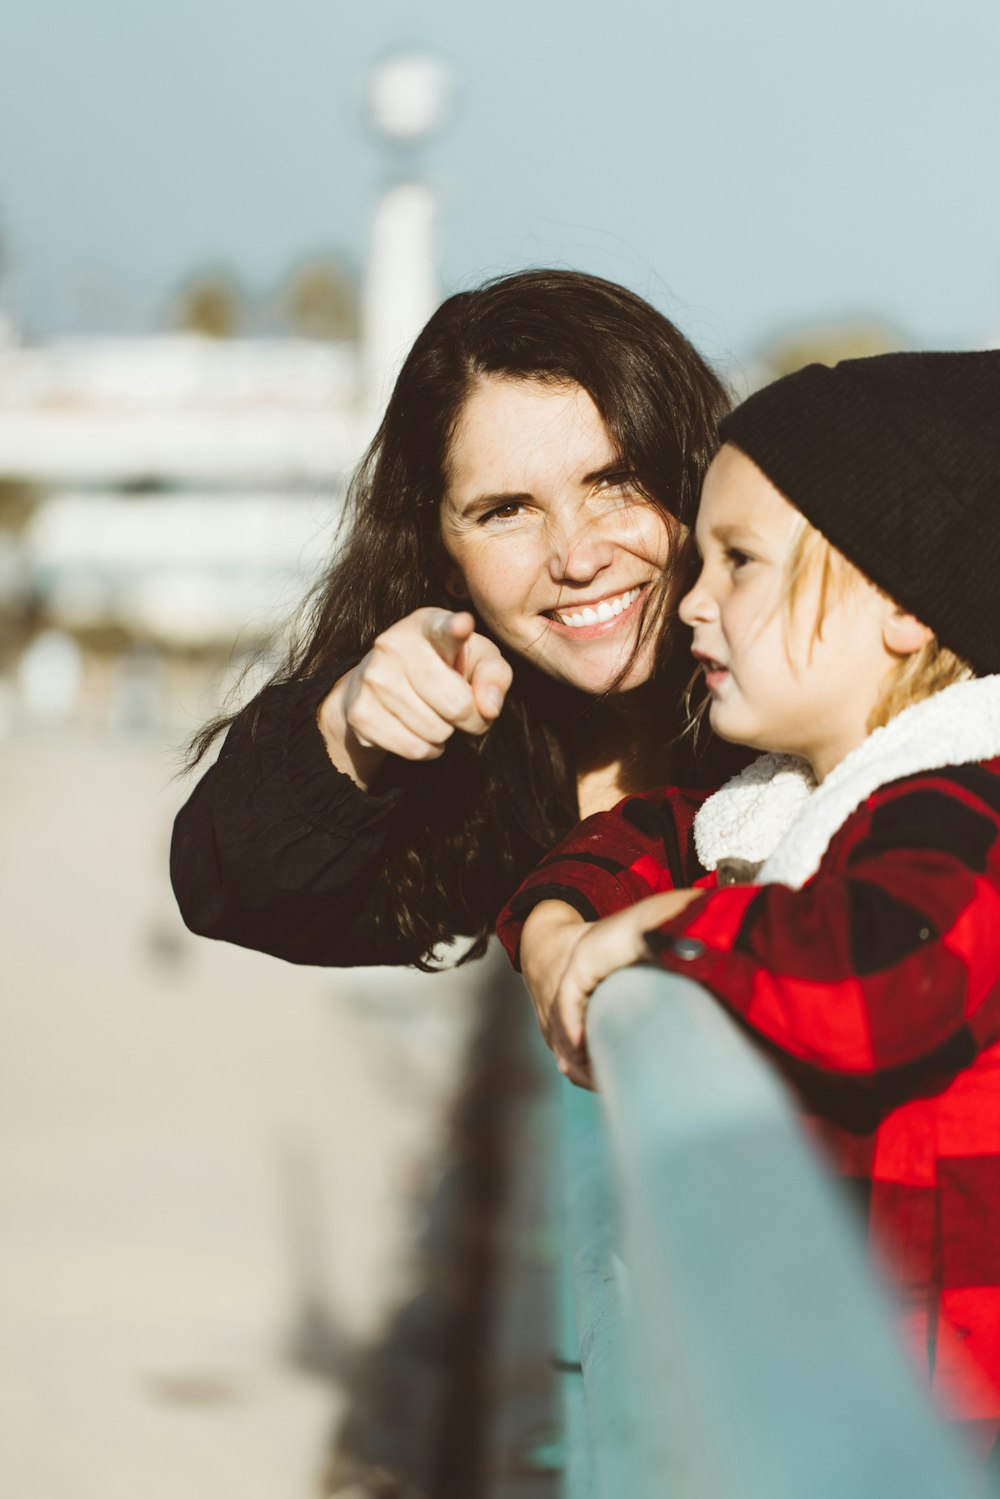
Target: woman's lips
[(596, 619)]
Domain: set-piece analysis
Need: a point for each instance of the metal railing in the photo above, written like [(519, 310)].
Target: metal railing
[(732, 1342)]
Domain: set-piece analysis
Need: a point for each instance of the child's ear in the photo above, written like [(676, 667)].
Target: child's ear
[(903, 633)]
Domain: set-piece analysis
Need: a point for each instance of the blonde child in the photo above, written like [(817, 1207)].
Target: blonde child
[(842, 896)]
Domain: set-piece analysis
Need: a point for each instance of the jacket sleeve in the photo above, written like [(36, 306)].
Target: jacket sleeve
[(611, 860), (276, 850), (884, 969)]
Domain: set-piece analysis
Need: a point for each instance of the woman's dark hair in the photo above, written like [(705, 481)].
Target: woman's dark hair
[(489, 807)]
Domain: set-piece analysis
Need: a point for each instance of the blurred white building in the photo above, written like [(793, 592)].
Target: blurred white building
[(187, 487)]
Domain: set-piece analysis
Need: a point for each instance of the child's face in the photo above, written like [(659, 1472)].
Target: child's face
[(773, 684)]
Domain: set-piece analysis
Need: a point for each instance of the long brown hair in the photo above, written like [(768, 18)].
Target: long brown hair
[(488, 807)]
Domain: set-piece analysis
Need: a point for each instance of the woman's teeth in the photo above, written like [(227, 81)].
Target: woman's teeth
[(597, 614)]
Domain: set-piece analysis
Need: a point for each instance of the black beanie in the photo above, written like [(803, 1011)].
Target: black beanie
[(896, 460)]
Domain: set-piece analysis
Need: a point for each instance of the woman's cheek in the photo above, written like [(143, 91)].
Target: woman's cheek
[(644, 533), (504, 591)]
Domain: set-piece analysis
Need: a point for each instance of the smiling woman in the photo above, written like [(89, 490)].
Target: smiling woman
[(489, 653), (548, 536)]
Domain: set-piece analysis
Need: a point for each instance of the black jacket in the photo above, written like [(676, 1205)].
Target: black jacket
[(277, 850)]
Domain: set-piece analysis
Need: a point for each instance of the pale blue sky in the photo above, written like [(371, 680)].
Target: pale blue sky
[(748, 166)]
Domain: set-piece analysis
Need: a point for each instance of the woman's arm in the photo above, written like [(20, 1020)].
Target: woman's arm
[(281, 846), (277, 850)]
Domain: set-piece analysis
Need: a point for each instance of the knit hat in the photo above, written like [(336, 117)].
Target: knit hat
[(896, 460)]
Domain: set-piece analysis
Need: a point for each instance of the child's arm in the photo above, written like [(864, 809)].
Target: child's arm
[(883, 972), (610, 861), (607, 862), (564, 958), (550, 933)]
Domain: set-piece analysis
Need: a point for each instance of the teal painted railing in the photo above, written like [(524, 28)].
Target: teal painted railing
[(732, 1343)]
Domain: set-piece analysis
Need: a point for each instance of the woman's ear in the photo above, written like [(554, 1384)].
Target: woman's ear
[(454, 582), (903, 634)]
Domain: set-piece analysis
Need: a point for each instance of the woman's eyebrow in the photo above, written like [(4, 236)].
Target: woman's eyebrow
[(616, 469), (490, 501)]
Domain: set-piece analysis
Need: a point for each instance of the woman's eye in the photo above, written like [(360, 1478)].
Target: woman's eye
[(615, 483), (509, 511)]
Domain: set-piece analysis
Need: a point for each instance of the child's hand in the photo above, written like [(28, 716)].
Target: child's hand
[(605, 946), (564, 958), (550, 934)]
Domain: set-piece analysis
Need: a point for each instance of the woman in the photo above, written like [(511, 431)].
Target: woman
[(479, 666)]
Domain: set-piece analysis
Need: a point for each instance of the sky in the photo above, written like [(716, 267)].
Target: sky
[(750, 166)]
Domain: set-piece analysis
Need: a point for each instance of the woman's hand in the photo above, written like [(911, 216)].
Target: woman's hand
[(426, 676), (564, 958)]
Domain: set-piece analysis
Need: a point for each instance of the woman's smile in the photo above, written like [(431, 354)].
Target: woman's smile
[(591, 618)]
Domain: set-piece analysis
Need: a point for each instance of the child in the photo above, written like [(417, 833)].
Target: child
[(845, 615)]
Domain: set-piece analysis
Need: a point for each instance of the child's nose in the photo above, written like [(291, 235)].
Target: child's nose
[(692, 607)]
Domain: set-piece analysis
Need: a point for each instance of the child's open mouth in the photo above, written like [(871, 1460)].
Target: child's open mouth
[(715, 672)]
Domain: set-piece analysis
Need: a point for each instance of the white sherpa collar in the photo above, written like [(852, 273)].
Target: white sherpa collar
[(748, 816), (958, 726), (773, 810)]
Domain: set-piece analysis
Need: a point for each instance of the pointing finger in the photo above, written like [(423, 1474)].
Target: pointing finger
[(448, 633)]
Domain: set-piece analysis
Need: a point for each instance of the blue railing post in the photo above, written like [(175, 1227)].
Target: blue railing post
[(605, 1457), (733, 1345)]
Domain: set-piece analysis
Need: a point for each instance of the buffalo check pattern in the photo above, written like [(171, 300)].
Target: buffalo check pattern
[(876, 987)]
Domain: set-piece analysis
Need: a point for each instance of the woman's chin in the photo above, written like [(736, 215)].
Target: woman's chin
[(601, 683), (598, 672)]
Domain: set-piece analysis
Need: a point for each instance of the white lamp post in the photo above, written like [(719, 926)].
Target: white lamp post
[(407, 100)]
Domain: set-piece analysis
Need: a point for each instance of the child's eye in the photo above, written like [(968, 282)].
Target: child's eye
[(736, 558)]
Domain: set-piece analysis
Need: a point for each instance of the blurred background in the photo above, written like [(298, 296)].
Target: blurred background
[(235, 1197)]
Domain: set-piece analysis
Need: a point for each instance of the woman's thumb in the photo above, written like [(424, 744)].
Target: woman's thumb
[(489, 682)]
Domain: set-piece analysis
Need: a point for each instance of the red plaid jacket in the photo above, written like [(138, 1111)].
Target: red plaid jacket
[(877, 987)]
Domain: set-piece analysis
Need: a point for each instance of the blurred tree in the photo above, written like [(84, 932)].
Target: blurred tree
[(828, 343), (210, 303), (17, 504), (320, 299), (18, 500)]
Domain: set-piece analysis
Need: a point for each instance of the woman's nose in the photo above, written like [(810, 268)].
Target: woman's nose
[(580, 550)]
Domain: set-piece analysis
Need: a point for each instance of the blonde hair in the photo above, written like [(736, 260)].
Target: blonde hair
[(914, 677)]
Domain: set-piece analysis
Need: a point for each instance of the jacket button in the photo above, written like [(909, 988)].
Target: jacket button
[(687, 948)]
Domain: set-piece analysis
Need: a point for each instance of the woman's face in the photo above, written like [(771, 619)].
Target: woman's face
[(550, 541)]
